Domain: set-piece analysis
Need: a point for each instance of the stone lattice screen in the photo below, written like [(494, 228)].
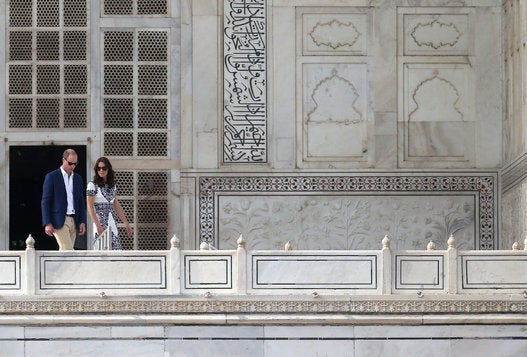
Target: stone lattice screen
[(48, 86)]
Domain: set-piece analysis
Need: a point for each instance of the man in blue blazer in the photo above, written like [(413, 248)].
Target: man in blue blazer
[(63, 202)]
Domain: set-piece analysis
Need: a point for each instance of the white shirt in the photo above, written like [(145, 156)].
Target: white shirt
[(68, 182)]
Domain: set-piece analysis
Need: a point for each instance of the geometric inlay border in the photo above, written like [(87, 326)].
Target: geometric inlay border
[(484, 187)]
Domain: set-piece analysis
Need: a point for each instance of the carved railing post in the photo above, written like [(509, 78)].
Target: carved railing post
[(451, 266), (174, 272), (30, 281), (241, 253), (386, 266)]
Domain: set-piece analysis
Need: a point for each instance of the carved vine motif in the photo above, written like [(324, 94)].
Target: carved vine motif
[(334, 34), (429, 34)]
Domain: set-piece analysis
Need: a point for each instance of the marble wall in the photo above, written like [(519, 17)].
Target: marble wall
[(514, 170), (347, 87), (261, 341), (393, 85)]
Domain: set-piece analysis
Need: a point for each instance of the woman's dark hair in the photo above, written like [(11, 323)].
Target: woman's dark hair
[(110, 178)]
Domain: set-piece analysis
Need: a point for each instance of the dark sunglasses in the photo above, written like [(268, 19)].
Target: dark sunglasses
[(72, 163), (102, 168)]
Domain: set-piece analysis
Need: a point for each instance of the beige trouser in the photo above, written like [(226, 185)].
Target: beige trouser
[(66, 235)]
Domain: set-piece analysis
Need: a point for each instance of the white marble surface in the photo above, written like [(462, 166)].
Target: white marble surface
[(291, 340), (514, 211)]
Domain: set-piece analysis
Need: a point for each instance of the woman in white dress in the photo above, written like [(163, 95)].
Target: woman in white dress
[(103, 205)]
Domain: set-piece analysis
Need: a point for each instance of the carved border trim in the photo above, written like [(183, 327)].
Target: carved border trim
[(130, 307), (484, 186)]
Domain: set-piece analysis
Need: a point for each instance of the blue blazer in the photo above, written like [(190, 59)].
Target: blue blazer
[(55, 202)]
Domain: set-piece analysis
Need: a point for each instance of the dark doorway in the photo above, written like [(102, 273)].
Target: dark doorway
[(28, 165)]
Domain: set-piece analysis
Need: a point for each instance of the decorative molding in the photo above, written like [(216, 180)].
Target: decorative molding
[(281, 306), (484, 188)]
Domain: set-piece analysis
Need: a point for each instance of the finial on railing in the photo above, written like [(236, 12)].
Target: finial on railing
[(204, 246), (515, 246), (385, 242), (174, 242), (451, 242), (431, 246), (30, 242), (288, 246), (241, 242)]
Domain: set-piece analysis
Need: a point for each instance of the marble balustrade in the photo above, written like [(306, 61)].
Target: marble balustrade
[(208, 272)]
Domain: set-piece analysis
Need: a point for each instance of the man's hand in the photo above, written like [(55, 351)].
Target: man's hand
[(82, 229), (49, 229)]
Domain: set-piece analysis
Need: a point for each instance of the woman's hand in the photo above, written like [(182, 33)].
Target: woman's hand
[(129, 230), (100, 229)]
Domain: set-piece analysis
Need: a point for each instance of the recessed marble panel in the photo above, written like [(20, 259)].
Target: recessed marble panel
[(494, 272), (208, 271), (116, 272), (10, 273), (438, 122), (309, 272), (336, 111), (423, 272)]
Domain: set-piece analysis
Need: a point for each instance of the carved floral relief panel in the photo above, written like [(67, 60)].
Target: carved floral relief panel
[(345, 222), (348, 212)]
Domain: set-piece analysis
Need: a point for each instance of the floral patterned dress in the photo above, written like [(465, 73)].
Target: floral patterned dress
[(103, 202)]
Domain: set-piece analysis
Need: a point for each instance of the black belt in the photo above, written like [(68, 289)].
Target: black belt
[(70, 215)]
